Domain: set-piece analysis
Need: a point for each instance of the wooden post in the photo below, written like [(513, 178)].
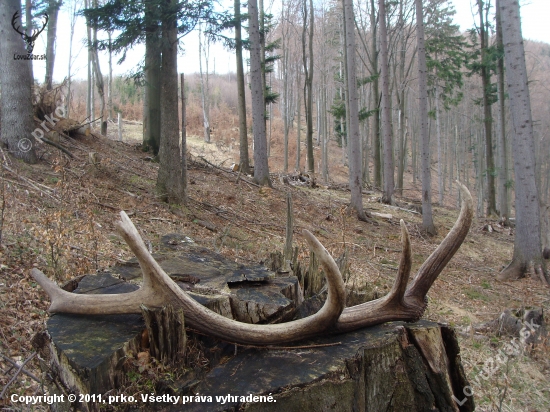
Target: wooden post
[(119, 127)]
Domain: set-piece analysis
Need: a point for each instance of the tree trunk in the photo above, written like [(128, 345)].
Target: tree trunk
[(241, 103), (427, 219), (89, 84), (169, 181), (183, 138), (503, 175), (389, 184), (16, 111), (110, 80), (298, 120), (376, 147), (261, 166), (354, 143), (53, 11), (151, 101), (205, 89), (487, 115), (99, 79), (308, 81), (28, 29), (440, 178), (527, 243)]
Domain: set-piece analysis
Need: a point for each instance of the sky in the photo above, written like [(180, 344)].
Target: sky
[(534, 14)]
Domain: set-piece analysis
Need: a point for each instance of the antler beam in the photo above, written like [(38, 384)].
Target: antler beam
[(406, 303), (158, 290)]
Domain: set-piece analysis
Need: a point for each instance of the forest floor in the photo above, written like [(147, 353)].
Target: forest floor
[(59, 216)]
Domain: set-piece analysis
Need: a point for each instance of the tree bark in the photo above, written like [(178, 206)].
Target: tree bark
[(308, 81), (527, 243), (376, 147), (487, 115), (298, 121), (355, 175), (16, 111), (166, 332), (241, 103), (503, 176), (427, 219), (440, 173), (28, 29), (169, 181), (205, 89), (53, 11), (183, 137), (99, 79), (151, 101), (89, 84), (389, 184), (261, 166)]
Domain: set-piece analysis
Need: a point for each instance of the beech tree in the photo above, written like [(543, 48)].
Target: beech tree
[(427, 218), (355, 176), (53, 11), (261, 166), (527, 242), (308, 81), (485, 73), (387, 196), (241, 103)]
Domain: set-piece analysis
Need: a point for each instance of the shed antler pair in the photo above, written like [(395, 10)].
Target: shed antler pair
[(406, 303)]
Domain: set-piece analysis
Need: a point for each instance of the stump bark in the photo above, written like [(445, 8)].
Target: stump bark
[(166, 333)]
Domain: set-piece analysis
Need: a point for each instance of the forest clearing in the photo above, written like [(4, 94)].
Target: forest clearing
[(359, 141)]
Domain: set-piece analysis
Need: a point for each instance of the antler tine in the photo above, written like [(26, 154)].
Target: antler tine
[(432, 267), (410, 307), (158, 289), (400, 285)]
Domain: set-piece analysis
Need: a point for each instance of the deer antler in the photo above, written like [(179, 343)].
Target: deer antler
[(402, 302), (408, 303), (158, 290)]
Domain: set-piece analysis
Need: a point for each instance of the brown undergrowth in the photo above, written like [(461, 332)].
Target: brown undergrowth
[(60, 215)]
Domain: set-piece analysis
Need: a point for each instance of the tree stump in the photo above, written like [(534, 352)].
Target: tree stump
[(393, 367)]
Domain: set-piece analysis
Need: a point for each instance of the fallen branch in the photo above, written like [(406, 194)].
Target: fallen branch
[(229, 172), (403, 209), (14, 364), (16, 375), (58, 146)]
